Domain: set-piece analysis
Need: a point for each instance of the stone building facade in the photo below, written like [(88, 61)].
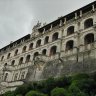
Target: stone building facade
[(63, 47)]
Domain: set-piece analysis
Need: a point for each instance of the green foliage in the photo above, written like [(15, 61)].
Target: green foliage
[(80, 76), (35, 93), (9, 93), (75, 91), (58, 92), (77, 85)]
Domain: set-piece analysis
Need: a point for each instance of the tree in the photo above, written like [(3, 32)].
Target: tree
[(58, 92), (9, 93)]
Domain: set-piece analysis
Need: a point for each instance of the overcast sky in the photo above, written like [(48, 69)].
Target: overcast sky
[(17, 17)]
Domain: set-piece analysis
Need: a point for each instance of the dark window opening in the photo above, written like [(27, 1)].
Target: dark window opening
[(46, 40), (21, 61), (69, 45), (24, 49), (8, 56), (36, 54), (88, 23), (89, 38), (2, 58), (27, 58), (70, 30), (55, 36), (38, 43), (16, 52), (31, 46), (13, 62), (53, 50), (5, 77), (44, 52)]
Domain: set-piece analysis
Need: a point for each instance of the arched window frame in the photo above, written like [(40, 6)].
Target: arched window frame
[(55, 36)]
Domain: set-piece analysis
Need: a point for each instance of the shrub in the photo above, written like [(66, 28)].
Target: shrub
[(58, 92), (34, 93)]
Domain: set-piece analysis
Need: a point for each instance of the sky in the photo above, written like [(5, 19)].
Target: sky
[(17, 17)]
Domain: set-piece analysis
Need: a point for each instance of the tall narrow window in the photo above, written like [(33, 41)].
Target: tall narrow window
[(38, 43), (55, 36), (21, 61), (16, 77), (13, 62), (27, 58), (24, 49), (2, 58), (8, 56), (44, 52), (46, 40), (31, 46), (36, 54), (53, 50), (6, 76), (16, 52)]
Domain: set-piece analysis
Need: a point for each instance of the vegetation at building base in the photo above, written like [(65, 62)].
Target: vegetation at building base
[(77, 85)]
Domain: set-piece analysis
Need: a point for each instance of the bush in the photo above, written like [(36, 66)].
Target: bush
[(75, 91), (34, 93), (58, 92), (9, 93)]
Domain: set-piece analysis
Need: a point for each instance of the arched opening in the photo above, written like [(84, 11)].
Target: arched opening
[(44, 52), (31, 46), (6, 76), (46, 40), (2, 58), (36, 54), (21, 61), (13, 62), (53, 50), (88, 23), (8, 55), (89, 38), (16, 52), (69, 45), (5, 64), (27, 58), (24, 49), (70, 30), (55, 36), (38, 43)]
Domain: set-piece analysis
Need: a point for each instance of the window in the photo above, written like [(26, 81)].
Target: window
[(8, 56), (16, 52), (2, 58), (24, 49), (5, 64), (55, 36), (70, 30), (88, 23), (38, 44), (46, 40), (31, 46), (6, 76), (21, 60), (69, 45), (53, 50), (27, 58), (13, 62), (44, 52), (16, 77), (89, 38), (23, 75), (36, 54)]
